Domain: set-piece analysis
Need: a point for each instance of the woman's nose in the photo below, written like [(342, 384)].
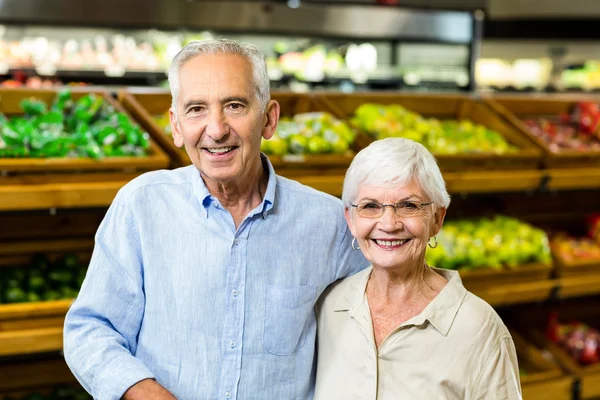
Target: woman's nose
[(390, 220)]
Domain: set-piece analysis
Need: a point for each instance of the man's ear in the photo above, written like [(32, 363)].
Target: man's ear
[(271, 119), (438, 221), (349, 220), (175, 131)]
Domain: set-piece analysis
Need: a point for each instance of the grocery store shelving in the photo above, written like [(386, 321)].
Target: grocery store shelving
[(60, 190), (32, 327), (98, 190), (28, 373)]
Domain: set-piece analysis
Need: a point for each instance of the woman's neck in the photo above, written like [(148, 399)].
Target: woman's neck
[(405, 285)]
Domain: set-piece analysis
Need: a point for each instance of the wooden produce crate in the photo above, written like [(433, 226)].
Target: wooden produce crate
[(565, 269), (33, 375), (144, 104), (9, 105), (445, 107), (525, 283), (543, 379), (36, 327), (577, 277), (588, 376), (515, 109)]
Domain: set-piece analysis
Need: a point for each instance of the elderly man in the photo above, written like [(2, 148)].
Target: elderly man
[(203, 279)]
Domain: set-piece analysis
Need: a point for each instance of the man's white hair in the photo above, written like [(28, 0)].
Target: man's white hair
[(395, 161), (260, 78)]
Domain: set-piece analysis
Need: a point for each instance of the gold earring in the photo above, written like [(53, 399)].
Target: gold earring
[(354, 245), (436, 242)]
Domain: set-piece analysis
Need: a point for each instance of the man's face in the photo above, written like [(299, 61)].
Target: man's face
[(219, 119)]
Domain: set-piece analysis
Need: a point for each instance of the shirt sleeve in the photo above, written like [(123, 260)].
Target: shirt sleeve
[(349, 261), (500, 379), (102, 325)]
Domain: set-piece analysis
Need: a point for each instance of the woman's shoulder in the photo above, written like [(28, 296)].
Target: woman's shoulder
[(344, 293), (477, 319)]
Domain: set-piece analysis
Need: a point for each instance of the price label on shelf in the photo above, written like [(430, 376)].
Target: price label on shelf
[(115, 71), (293, 158), (45, 70)]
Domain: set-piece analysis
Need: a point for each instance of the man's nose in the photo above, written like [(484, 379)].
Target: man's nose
[(216, 126)]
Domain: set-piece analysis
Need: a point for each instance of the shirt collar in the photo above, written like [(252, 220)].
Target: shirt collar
[(440, 313), (205, 198), (443, 309)]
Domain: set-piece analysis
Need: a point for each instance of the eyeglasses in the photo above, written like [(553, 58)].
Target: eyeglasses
[(373, 209)]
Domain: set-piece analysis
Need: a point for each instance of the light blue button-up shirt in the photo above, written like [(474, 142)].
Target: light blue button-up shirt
[(174, 292)]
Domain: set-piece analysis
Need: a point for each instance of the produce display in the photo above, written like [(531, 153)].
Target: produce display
[(579, 340), (440, 137), (570, 249), (59, 393), (579, 130), (494, 243), (88, 127), (310, 133), (42, 280), (164, 122)]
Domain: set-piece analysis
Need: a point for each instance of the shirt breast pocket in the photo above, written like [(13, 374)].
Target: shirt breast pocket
[(288, 310)]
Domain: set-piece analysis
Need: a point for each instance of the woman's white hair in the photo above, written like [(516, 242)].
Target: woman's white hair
[(395, 161), (260, 78)]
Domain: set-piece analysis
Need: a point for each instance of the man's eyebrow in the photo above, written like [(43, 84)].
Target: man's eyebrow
[(235, 98)]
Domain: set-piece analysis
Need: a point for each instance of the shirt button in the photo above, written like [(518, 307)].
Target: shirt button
[(232, 344), (227, 395), (234, 293), (236, 241)]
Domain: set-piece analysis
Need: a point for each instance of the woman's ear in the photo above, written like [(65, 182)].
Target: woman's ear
[(438, 220), (349, 220)]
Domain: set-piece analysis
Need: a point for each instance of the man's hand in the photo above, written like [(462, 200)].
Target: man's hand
[(148, 389)]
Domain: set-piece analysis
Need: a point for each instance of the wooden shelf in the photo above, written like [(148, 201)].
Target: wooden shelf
[(575, 178), (26, 375), (493, 181), (31, 341), (514, 293), (577, 286), (60, 191), (32, 327)]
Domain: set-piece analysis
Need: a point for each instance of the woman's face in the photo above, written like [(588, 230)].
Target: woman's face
[(392, 241)]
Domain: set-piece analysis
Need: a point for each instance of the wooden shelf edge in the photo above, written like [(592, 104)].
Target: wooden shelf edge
[(576, 286), (31, 341), (514, 293), (43, 309), (18, 247), (573, 178), (58, 195)]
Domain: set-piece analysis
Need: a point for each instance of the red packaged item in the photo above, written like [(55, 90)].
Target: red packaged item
[(587, 117), (580, 341), (594, 224)]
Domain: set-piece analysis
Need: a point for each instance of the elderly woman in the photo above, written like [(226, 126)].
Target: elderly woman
[(401, 329)]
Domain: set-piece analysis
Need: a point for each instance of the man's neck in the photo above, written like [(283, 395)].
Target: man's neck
[(241, 196)]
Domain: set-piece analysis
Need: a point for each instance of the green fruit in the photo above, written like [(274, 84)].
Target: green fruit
[(318, 145), (15, 295), (298, 144)]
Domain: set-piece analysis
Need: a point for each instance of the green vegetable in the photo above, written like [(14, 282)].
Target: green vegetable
[(42, 280), (88, 127)]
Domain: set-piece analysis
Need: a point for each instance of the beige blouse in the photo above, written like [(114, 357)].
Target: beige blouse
[(457, 348)]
